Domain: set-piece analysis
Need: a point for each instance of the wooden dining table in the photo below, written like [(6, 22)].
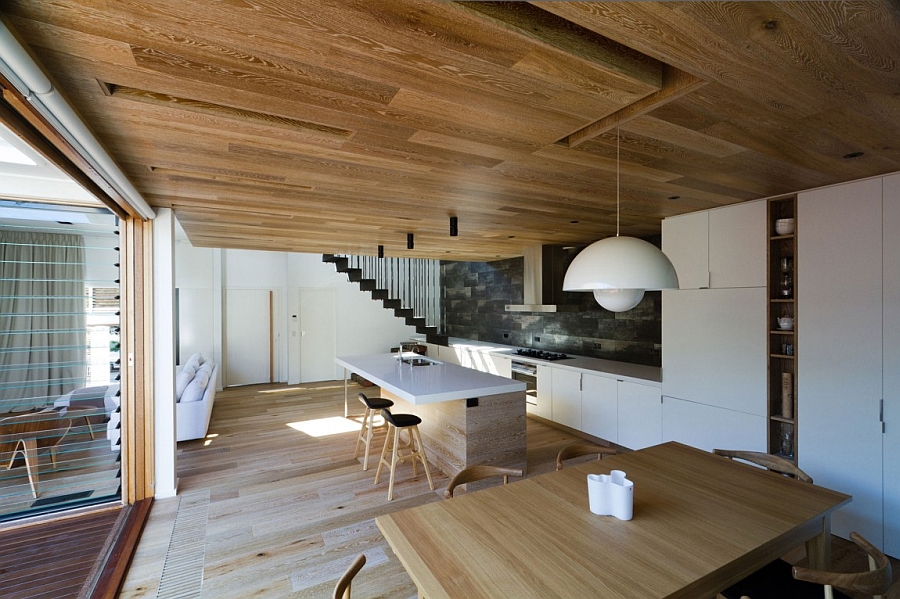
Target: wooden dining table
[(700, 523)]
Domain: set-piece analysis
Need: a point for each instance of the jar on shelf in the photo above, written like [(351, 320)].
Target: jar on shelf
[(786, 286), (786, 281)]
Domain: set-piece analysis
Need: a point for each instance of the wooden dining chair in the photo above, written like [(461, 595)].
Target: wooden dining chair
[(768, 461), (778, 572), (579, 449), (342, 588), (805, 583), (22, 435), (480, 472)]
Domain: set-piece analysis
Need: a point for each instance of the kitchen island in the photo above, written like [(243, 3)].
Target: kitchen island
[(468, 417)]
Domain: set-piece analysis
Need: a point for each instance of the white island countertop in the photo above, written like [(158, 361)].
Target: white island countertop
[(427, 384)]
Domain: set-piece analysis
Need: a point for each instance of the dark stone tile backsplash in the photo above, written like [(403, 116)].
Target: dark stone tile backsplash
[(476, 293)]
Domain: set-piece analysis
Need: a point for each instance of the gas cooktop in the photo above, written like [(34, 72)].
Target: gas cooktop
[(540, 354)]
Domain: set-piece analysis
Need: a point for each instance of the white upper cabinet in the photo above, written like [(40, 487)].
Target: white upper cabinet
[(720, 248), (737, 246), (685, 241)]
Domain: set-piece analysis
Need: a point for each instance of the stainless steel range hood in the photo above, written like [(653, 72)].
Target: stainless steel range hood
[(544, 272)]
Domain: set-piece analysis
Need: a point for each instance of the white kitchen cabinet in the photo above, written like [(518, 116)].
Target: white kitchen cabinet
[(544, 397), (737, 245), (714, 347), (840, 364), (709, 427), (599, 407), (566, 387), (719, 248), (640, 415), (891, 374), (685, 241), (502, 365)]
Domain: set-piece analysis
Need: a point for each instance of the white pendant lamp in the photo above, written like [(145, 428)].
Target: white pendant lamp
[(619, 269)]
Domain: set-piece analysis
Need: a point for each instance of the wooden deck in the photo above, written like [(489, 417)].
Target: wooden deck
[(73, 556)]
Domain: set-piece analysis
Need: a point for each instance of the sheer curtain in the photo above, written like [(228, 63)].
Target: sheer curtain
[(42, 318)]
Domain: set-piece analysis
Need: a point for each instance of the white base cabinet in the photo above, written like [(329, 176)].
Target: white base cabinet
[(616, 410), (502, 364), (544, 397), (566, 393), (622, 412), (600, 407), (709, 427), (640, 415)]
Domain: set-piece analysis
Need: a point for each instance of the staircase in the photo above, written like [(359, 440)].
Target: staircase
[(411, 287)]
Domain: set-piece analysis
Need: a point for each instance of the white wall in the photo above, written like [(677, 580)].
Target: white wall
[(165, 478), (363, 325), (194, 270)]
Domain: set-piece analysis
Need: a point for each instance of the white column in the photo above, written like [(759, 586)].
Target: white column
[(164, 353)]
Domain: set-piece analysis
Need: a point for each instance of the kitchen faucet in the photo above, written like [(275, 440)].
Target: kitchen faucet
[(400, 351)]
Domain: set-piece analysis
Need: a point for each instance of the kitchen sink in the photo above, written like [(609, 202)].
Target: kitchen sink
[(419, 362)]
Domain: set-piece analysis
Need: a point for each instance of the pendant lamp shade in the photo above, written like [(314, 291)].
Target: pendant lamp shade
[(618, 300), (618, 270)]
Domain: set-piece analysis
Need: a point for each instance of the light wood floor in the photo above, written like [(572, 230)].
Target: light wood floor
[(287, 510), (272, 504)]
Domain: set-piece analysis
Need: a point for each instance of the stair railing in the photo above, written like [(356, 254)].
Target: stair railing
[(416, 282)]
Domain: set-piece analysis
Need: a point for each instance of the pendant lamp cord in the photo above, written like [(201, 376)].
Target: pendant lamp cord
[(617, 176)]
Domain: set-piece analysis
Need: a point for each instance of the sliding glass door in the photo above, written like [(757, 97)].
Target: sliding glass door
[(59, 358)]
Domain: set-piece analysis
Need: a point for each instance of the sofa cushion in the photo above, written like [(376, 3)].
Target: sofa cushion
[(194, 361), (183, 379), (194, 390)]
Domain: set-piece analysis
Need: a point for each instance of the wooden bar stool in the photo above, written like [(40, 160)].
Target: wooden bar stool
[(416, 451), (373, 404)]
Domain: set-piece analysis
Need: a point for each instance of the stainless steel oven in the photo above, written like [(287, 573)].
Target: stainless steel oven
[(526, 373)]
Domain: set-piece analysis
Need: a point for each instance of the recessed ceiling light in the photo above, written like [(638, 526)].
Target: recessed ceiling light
[(854, 154), (674, 197), (574, 222), (511, 237)]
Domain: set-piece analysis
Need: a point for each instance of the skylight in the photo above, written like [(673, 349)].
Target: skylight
[(12, 155)]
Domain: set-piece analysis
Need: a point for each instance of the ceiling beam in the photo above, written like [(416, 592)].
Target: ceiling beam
[(676, 83)]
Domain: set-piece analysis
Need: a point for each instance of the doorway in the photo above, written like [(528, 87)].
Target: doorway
[(318, 334), (249, 330)]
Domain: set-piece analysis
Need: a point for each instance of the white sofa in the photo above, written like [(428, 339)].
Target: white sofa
[(195, 393)]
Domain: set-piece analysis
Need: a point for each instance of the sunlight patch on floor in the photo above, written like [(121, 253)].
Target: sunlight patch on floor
[(322, 427)]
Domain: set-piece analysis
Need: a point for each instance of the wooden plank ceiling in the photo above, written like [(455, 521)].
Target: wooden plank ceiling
[(317, 126)]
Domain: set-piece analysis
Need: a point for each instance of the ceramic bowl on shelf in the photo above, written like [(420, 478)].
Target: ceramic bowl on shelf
[(784, 226)]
